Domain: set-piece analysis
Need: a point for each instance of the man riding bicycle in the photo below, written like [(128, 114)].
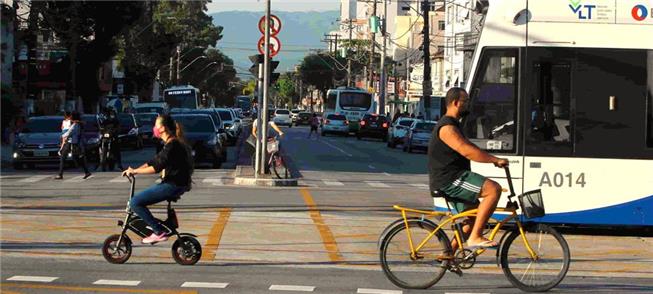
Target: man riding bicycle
[(449, 155)]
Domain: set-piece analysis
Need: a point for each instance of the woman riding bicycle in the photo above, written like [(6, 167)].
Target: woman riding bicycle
[(175, 163)]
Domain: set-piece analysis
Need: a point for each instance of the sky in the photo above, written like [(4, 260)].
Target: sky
[(282, 5)]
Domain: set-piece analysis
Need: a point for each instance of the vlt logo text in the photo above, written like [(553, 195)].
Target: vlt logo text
[(583, 11), (640, 12)]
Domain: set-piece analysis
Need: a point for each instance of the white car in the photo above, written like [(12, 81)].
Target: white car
[(282, 117), (335, 124), (398, 131), (294, 114)]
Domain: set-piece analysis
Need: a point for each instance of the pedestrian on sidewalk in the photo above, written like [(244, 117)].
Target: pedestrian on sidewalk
[(315, 122), (73, 145)]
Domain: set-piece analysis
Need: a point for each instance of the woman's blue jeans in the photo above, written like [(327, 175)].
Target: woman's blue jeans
[(152, 195)]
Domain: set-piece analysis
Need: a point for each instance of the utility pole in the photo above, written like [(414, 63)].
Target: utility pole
[(266, 81), (372, 44), (178, 63), (351, 27), (259, 129), (426, 83), (382, 80), (171, 70)]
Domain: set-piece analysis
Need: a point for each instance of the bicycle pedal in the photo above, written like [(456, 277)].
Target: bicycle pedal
[(456, 270)]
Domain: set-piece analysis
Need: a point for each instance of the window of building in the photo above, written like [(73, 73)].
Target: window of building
[(491, 122), (441, 25)]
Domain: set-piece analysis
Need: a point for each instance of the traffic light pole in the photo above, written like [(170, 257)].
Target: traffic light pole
[(257, 157), (266, 81)]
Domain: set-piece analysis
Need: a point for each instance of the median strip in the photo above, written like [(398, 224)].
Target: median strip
[(325, 232), (215, 234)]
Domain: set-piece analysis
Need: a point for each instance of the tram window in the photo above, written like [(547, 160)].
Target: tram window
[(549, 90), (649, 101), (491, 122)]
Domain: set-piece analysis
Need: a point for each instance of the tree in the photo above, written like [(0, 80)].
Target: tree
[(88, 29), (320, 72), (285, 87), (250, 87)]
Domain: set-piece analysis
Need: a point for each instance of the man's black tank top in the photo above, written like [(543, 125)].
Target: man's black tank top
[(445, 164)]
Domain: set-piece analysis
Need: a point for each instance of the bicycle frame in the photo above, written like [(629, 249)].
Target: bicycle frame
[(451, 218)]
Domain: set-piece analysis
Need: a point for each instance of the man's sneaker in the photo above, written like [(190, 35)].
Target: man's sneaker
[(154, 238)]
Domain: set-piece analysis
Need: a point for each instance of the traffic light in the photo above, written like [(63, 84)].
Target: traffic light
[(258, 59)]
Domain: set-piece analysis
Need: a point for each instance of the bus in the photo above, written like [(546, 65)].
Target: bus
[(354, 103), (565, 93), (244, 103), (182, 97)]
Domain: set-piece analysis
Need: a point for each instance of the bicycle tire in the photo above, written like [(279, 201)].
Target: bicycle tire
[(437, 268), (554, 260), (279, 166)]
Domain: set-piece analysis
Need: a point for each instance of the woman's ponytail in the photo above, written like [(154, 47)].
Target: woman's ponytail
[(179, 132)]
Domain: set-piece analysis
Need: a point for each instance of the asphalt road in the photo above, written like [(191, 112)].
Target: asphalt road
[(320, 236)]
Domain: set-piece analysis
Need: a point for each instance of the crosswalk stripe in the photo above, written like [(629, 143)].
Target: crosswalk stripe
[(116, 282), (214, 181), (377, 184), (291, 288), (306, 183), (76, 179), (332, 183), (119, 179), (33, 179), (32, 279), (204, 285), (421, 186), (377, 291)]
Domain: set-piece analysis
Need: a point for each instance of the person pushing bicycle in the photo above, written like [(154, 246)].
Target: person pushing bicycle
[(449, 156)]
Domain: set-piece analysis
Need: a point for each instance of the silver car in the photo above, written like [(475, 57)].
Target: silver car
[(419, 135), (335, 124)]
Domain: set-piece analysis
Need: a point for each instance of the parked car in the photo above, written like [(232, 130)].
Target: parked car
[(398, 131), (373, 126), (335, 124), (282, 117), (149, 107), (419, 135), (202, 136), (39, 142), (146, 122), (129, 134), (304, 118)]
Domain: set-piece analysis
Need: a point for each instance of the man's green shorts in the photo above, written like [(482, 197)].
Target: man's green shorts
[(467, 188)]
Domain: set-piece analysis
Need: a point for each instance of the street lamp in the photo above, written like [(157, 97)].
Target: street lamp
[(189, 64)]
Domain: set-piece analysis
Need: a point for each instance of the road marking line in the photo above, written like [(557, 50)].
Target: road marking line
[(215, 234), (291, 288), (96, 289), (377, 291), (116, 282), (33, 179), (423, 186), (204, 285), (332, 183), (325, 232), (119, 179), (215, 182), (377, 184), (387, 174), (32, 279), (77, 179), (336, 147), (307, 183)]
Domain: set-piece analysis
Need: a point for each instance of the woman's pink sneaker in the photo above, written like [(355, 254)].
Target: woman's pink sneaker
[(154, 238)]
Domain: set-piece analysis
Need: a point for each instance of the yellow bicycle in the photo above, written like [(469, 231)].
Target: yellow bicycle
[(415, 252)]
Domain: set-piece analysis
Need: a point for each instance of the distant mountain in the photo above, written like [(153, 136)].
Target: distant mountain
[(300, 32)]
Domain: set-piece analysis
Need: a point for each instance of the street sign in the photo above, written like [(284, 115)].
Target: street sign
[(275, 46), (275, 25)]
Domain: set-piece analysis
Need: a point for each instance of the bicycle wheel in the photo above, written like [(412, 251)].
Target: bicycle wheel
[(542, 273), (279, 166), (406, 271)]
